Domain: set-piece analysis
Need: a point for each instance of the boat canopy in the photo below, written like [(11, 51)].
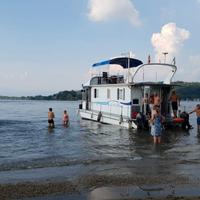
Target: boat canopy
[(125, 62)]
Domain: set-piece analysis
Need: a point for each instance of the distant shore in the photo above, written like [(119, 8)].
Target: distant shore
[(186, 90), (62, 96)]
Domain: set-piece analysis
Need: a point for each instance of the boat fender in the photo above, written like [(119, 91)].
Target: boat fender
[(99, 116), (120, 119)]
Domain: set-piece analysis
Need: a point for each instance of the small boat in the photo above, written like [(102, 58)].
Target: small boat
[(118, 98)]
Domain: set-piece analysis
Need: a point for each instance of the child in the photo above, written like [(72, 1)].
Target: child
[(50, 118), (197, 110), (156, 127), (65, 118)]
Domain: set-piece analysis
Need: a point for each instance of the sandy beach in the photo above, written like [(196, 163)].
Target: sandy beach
[(102, 187)]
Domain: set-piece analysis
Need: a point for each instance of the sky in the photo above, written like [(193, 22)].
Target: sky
[(47, 46)]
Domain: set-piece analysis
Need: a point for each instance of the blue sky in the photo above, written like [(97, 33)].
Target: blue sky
[(48, 46)]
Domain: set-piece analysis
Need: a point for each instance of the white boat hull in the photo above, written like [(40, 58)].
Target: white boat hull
[(107, 118)]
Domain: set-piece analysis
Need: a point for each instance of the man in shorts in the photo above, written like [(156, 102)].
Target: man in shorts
[(50, 118), (174, 102), (197, 110)]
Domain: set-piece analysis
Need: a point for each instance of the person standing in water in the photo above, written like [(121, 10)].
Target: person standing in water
[(51, 117), (197, 110), (65, 118), (156, 124)]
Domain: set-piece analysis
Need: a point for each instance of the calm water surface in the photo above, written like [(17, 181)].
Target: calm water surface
[(27, 143)]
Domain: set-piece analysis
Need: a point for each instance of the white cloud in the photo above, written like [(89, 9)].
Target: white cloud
[(198, 1), (170, 40), (105, 10)]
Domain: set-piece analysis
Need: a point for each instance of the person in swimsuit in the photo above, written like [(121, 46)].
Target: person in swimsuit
[(151, 102), (197, 110), (65, 118), (175, 102), (157, 100), (51, 117)]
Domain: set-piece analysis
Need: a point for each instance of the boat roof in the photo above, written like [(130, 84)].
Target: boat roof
[(125, 62)]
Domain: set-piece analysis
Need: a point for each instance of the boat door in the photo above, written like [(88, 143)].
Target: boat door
[(88, 98), (145, 100), (165, 104), (163, 93), (136, 98)]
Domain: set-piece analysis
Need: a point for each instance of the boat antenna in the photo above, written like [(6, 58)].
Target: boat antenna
[(165, 56), (149, 59), (129, 56)]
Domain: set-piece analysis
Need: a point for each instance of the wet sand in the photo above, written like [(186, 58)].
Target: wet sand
[(100, 187), (105, 180)]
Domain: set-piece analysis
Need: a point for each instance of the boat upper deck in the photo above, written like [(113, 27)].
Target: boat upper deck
[(134, 72)]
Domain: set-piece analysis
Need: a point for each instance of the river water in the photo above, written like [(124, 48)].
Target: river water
[(93, 155)]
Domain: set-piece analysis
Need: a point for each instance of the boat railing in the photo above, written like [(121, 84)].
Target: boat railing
[(100, 80), (154, 72)]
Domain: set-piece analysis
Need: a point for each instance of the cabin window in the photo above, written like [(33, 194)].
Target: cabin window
[(120, 94), (96, 93), (124, 94), (108, 93), (135, 101)]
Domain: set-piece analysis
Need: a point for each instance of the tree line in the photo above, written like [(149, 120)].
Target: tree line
[(64, 95), (186, 91)]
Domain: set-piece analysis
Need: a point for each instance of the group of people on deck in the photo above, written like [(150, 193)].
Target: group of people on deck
[(151, 108), (51, 117)]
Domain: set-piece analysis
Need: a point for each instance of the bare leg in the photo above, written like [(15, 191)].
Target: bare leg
[(159, 139), (175, 113), (154, 139)]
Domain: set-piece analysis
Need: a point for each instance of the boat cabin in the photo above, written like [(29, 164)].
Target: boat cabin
[(118, 98)]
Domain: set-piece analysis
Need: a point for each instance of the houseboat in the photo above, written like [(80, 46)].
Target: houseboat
[(118, 98)]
